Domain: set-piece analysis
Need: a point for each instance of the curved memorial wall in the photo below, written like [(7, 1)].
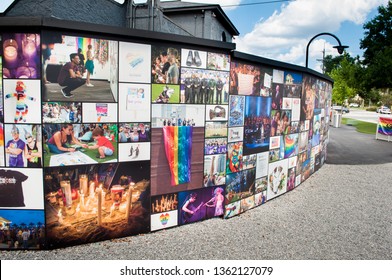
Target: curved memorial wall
[(159, 131)]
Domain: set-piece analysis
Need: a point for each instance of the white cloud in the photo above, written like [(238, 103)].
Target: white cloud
[(285, 34)]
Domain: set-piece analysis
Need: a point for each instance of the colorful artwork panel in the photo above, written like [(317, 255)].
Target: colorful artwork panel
[(22, 101), (164, 220), (277, 179), (99, 112), (134, 62), (236, 110)]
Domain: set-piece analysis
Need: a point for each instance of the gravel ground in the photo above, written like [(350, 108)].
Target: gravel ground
[(343, 211)]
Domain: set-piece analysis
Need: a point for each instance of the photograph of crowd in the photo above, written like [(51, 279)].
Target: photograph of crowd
[(62, 112), (257, 124), (215, 146), (22, 229)]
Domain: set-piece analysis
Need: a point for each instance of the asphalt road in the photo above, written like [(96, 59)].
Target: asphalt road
[(363, 115), (347, 146)]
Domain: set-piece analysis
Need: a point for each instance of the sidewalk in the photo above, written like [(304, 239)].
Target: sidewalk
[(343, 211)]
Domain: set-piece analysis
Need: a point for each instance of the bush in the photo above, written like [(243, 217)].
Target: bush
[(371, 109)]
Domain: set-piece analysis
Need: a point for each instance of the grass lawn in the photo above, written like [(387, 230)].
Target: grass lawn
[(363, 127), (90, 153)]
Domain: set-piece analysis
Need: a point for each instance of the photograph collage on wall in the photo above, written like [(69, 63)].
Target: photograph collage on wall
[(277, 124), (126, 138), (21, 189)]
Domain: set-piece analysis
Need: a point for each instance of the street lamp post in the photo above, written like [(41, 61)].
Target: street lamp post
[(340, 47)]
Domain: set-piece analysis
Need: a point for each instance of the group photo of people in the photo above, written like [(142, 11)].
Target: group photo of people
[(134, 132), (215, 146), (200, 86)]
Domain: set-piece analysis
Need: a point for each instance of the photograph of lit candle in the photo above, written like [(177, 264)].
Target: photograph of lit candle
[(21, 53), (99, 209), (10, 53)]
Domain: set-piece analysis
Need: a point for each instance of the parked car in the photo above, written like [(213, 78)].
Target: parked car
[(354, 105), (340, 109), (384, 110)]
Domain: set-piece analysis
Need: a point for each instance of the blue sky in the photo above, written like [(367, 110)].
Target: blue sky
[(282, 30)]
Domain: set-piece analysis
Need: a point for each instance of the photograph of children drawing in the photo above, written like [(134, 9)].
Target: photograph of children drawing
[(69, 144)]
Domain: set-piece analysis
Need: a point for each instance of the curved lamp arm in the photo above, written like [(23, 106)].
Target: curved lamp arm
[(340, 47)]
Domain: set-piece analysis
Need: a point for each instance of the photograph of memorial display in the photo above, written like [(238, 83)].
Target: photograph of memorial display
[(89, 61), (90, 203)]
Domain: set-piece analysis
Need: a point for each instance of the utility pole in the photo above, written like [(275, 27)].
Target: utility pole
[(322, 60)]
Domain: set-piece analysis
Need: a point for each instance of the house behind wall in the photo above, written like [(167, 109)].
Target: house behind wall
[(206, 21)]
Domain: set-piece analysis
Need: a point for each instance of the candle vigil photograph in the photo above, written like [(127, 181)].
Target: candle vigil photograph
[(96, 202)]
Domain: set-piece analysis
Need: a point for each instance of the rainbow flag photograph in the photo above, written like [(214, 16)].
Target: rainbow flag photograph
[(178, 148)]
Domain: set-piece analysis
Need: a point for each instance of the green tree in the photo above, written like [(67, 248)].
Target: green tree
[(343, 81), (332, 62), (377, 46)]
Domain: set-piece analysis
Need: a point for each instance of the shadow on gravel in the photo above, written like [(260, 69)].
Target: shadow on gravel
[(347, 146)]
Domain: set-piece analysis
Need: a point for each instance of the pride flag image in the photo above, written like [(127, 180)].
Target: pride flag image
[(178, 148), (385, 126)]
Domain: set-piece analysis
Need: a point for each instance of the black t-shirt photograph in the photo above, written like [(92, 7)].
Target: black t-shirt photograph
[(11, 191)]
